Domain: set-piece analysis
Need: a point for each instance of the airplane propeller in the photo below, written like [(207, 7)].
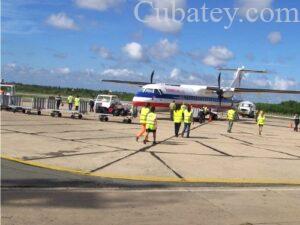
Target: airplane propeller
[(152, 75), (220, 91)]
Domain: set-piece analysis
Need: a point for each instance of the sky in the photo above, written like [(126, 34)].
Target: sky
[(77, 43)]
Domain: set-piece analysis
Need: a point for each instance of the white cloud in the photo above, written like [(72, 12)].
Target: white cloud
[(283, 84), (175, 73), (61, 21), (218, 56), (117, 72), (100, 5), (275, 37), (164, 49), (134, 51), (63, 70), (161, 22), (102, 51), (246, 5), (161, 4), (280, 83)]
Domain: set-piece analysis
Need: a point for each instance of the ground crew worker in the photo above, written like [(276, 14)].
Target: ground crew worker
[(261, 119), (58, 100), (172, 107), (230, 117), (188, 119), (151, 125), (77, 103), (70, 102), (296, 120), (177, 118), (183, 107), (143, 120)]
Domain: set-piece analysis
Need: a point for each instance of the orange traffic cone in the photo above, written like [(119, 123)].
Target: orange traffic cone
[(210, 118)]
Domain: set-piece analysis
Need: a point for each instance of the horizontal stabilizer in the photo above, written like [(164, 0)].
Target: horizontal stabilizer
[(243, 70)]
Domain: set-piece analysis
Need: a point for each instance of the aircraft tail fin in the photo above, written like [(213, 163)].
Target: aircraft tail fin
[(239, 74)]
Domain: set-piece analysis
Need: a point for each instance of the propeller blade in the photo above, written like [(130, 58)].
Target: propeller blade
[(152, 75), (219, 80)]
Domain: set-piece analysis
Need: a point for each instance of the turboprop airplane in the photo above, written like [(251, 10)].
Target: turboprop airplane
[(219, 98)]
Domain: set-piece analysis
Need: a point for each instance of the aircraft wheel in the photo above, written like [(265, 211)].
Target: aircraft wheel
[(24, 111), (129, 121), (39, 113), (59, 115), (72, 116), (106, 119), (80, 116)]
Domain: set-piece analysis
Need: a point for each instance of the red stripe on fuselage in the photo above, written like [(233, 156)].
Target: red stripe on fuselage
[(166, 105)]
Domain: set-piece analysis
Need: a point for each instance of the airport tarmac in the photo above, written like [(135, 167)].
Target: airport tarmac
[(109, 150)]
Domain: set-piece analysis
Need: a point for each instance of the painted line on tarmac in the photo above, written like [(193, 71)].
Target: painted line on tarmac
[(214, 149), (163, 162), (234, 181)]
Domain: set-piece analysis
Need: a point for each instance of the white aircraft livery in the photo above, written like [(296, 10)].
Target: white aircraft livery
[(161, 95)]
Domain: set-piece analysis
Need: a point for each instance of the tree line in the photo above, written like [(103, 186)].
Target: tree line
[(63, 91), (287, 107)]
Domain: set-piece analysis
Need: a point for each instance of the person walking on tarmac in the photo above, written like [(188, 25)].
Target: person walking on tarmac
[(183, 107), (172, 108), (70, 100), (58, 100), (77, 102), (177, 118), (151, 125), (261, 119), (230, 117), (296, 120), (188, 119), (143, 120)]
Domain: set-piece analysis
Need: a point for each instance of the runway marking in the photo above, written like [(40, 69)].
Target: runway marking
[(144, 149), (214, 149), (233, 181), (271, 150), (164, 163), (237, 139), (69, 155), (161, 190)]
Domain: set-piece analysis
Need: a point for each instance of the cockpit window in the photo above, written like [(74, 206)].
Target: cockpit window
[(157, 92), (148, 90)]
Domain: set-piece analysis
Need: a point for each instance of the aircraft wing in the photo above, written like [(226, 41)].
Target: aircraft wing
[(254, 90), (136, 83)]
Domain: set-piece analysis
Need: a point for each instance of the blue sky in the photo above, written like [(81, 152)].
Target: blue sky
[(77, 43)]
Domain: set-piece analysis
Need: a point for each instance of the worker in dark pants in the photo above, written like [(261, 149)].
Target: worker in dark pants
[(92, 104), (201, 115), (188, 119), (177, 118), (58, 101), (296, 120)]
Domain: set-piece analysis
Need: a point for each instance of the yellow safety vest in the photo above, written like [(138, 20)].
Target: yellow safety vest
[(77, 101), (261, 120), (70, 99), (150, 122), (231, 114), (188, 116), (178, 116), (143, 117)]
